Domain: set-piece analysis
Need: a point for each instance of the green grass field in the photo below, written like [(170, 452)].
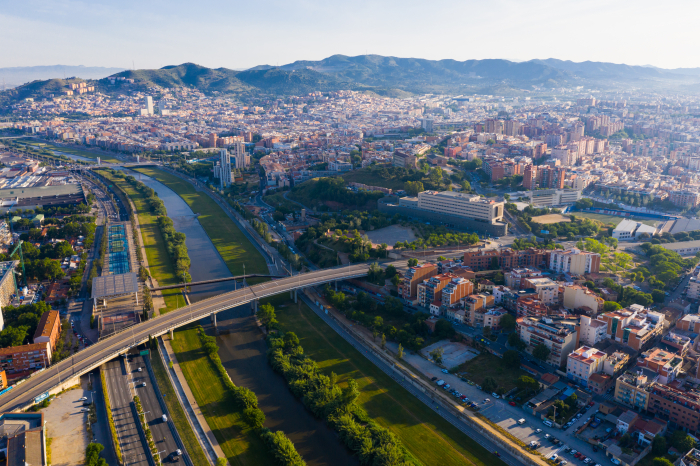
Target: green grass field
[(488, 365), (613, 219), (74, 151), (229, 240), (426, 435), (241, 445), (160, 264), (370, 176), (177, 414)]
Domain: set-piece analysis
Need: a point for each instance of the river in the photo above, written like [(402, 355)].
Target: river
[(242, 348)]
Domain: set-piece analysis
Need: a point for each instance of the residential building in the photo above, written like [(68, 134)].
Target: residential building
[(692, 458), (456, 289), (684, 198), (558, 338), (492, 318), (531, 306), (222, 169), (49, 329), (241, 157), (506, 258), (18, 361), (615, 363), (474, 307), (633, 388), (680, 408), (7, 286), (583, 362), (404, 160), (581, 298), (599, 383), (546, 289), (515, 278), (498, 294), (431, 289), (633, 326), (591, 331), (574, 261), (694, 288), (667, 365), (689, 323), (415, 275), (551, 177), (23, 439), (675, 343)]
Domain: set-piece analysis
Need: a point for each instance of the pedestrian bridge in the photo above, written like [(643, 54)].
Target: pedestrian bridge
[(22, 395)]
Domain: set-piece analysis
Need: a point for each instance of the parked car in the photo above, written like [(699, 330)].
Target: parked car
[(445, 371), (573, 452), (433, 379), (495, 395), (487, 400), (537, 431), (512, 403)]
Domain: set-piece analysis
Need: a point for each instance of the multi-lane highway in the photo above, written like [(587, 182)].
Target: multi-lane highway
[(106, 349)]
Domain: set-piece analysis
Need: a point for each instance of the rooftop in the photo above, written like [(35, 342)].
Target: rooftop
[(114, 285)]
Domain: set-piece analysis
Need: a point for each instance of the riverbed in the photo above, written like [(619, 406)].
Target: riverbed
[(242, 347)]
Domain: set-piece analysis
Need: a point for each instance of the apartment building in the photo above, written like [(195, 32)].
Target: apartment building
[(49, 329), (667, 365), (633, 388), (403, 160), (413, 277), (558, 338), (684, 198), (506, 258), (475, 306), (581, 298), (694, 288), (678, 407), (675, 343), (615, 363), (531, 306), (431, 289), (553, 197), (583, 362), (574, 261), (633, 326), (515, 278), (492, 318), (599, 383), (546, 289), (456, 289), (689, 323), (590, 331), (17, 360)]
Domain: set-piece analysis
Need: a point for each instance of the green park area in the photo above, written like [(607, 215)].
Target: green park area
[(427, 436), (177, 414), (487, 365), (240, 443), (72, 150), (160, 264), (229, 240)]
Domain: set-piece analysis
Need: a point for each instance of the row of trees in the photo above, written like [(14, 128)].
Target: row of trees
[(371, 443), (278, 444)]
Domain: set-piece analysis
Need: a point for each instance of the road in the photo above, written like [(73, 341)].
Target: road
[(120, 397), (106, 349)]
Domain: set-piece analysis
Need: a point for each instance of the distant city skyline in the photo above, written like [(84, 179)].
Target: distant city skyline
[(240, 35)]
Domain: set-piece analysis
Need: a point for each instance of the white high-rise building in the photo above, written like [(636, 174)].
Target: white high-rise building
[(241, 156), (149, 104), (222, 169)]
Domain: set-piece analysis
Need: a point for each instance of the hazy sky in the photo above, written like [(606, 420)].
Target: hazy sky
[(237, 34)]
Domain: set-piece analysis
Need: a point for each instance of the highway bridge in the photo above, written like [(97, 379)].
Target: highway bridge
[(53, 377)]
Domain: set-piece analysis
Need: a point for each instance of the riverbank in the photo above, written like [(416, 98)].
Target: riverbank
[(233, 246)]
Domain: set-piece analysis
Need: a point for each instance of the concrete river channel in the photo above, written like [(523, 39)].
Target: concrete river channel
[(242, 348)]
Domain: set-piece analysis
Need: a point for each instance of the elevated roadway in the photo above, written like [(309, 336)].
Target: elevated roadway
[(80, 363)]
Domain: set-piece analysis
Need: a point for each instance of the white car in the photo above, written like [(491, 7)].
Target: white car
[(537, 431), (553, 457), (143, 384), (614, 461), (487, 400), (495, 395), (573, 452), (84, 398)]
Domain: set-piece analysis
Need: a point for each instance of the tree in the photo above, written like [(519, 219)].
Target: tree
[(444, 329), (486, 331), (489, 385), (507, 323), (254, 417), (221, 462), (395, 280), (511, 359), (525, 382), (541, 352), (400, 353), (383, 341), (658, 446), (661, 462), (290, 341), (682, 441), (515, 341), (658, 296), (266, 315), (413, 187), (436, 354), (412, 262), (610, 306), (390, 271)]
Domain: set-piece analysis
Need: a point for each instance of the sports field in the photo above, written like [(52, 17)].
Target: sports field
[(232, 244), (551, 218), (612, 219), (426, 435)]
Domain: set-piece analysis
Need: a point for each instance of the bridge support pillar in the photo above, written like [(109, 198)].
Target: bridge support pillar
[(291, 294), (336, 285), (254, 306), (295, 295), (172, 334), (213, 319)]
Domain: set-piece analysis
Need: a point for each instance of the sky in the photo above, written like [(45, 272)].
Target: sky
[(238, 35)]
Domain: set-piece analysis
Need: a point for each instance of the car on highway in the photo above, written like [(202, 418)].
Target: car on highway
[(143, 384)]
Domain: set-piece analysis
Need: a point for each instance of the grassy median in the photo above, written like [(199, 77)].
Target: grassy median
[(428, 437), (160, 265), (229, 240), (241, 444), (73, 151), (177, 414)]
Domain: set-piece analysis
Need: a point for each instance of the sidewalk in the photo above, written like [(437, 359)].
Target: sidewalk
[(194, 412)]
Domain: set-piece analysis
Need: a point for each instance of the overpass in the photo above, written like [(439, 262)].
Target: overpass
[(23, 394)]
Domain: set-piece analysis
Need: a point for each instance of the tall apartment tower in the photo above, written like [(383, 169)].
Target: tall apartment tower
[(241, 156), (222, 170), (149, 104), (530, 177)]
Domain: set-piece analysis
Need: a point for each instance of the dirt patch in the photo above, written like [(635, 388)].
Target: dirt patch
[(454, 353), (66, 425), (391, 235), (551, 218)]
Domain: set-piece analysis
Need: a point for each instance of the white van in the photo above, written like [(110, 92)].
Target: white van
[(547, 423), (521, 421), (165, 418)]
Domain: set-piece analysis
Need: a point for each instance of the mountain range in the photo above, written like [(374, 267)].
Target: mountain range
[(16, 76), (398, 76)]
